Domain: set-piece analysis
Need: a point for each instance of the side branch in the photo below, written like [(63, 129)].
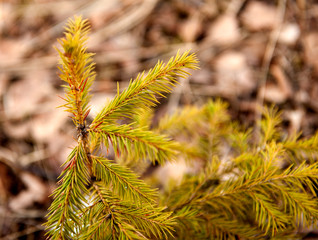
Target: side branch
[(123, 217), (137, 143), (125, 182), (69, 197), (141, 93)]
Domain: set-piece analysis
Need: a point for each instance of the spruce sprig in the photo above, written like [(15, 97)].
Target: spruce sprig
[(144, 90), (255, 191), (116, 214), (125, 182), (97, 198), (77, 69), (69, 196), (136, 142)]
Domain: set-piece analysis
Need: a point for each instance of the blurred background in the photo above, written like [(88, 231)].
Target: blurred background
[(252, 53)]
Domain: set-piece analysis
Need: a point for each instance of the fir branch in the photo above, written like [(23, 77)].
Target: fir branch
[(270, 124), (258, 185), (185, 119), (126, 220), (252, 178), (220, 227), (98, 216), (184, 195), (204, 222), (216, 114), (189, 117), (268, 215), (69, 197), (298, 204), (211, 124), (247, 161), (151, 221), (125, 183), (143, 119), (127, 231), (141, 93), (241, 140), (129, 212), (193, 188), (101, 223), (302, 148), (261, 186), (189, 218), (136, 143), (77, 69)]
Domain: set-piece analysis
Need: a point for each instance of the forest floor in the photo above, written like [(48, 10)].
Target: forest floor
[(252, 53)]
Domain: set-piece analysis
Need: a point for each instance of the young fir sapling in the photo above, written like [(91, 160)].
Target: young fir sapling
[(242, 189), (96, 197)]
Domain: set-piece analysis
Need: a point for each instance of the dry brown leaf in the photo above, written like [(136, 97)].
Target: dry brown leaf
[(260, 16), (273, 93), (209, 8), (44, 125), (10, 182), (289, 34), (17, 129), (254, 49), (11, 51), (4, 80), (24, 97), (59, 146), (224, 30), (7, 14), (233, 75), (51, 119), (36, 192), (313, 94), (310, 42), (282, 80), (190, 29), (295, 118), (280, 91), (202, 77)]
